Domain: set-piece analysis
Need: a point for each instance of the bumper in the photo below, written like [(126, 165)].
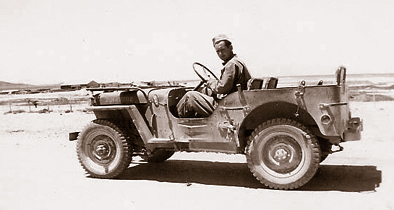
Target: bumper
[(353, 132), (73, 136)]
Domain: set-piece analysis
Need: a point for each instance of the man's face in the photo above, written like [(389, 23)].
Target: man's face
[(225, 53)]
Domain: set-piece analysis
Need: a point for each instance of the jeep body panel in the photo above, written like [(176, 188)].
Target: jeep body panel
[(324, 108)]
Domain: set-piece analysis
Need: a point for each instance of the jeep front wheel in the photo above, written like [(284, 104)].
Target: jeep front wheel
[(103, 150), (283, 154)]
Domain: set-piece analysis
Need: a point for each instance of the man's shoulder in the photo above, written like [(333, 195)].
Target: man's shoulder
[(236, 61), (235, 58)]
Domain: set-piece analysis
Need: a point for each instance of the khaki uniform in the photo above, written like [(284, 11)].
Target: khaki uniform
[(196, 104)]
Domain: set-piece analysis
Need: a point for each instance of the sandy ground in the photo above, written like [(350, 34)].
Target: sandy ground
[(40, 170)]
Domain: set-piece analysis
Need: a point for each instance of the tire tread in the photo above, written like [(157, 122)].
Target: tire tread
[(315, 156), (126, 146)]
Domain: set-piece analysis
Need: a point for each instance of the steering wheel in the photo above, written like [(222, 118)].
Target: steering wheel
[(203, 72)]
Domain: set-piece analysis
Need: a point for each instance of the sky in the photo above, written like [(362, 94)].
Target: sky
[(77, 41)]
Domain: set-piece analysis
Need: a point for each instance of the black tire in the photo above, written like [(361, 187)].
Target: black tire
[(283, 154), (325, 148), (103, 150), (158, 156), (323, 157)]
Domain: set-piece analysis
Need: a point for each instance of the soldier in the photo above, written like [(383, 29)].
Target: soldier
[(197, 104)]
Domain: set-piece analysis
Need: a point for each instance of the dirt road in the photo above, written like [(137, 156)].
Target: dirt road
[(40, 170)]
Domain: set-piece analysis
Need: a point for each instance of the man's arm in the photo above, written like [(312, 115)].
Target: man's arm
[(226, 83)]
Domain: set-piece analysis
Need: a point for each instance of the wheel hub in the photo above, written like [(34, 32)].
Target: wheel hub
[(102, 149), (282, 154)]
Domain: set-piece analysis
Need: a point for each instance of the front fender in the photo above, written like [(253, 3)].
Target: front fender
[(130, 112)]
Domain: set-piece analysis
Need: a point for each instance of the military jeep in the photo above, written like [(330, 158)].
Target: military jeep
[(285, 132)]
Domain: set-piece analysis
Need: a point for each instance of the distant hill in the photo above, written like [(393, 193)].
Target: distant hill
[(22, 86), (13, 86)]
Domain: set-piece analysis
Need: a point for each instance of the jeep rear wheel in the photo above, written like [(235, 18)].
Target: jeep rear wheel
[(283, 154), (103, 150)]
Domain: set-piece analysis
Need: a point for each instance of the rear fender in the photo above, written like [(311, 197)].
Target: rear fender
[(271, 110)]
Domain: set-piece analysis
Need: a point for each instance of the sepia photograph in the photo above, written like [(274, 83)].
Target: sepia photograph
[(196, 104)]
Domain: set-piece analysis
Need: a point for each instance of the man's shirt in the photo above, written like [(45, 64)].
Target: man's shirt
[(234, 72)]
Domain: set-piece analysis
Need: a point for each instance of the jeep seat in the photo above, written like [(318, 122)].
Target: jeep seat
[(262, 83), (174, 96)]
